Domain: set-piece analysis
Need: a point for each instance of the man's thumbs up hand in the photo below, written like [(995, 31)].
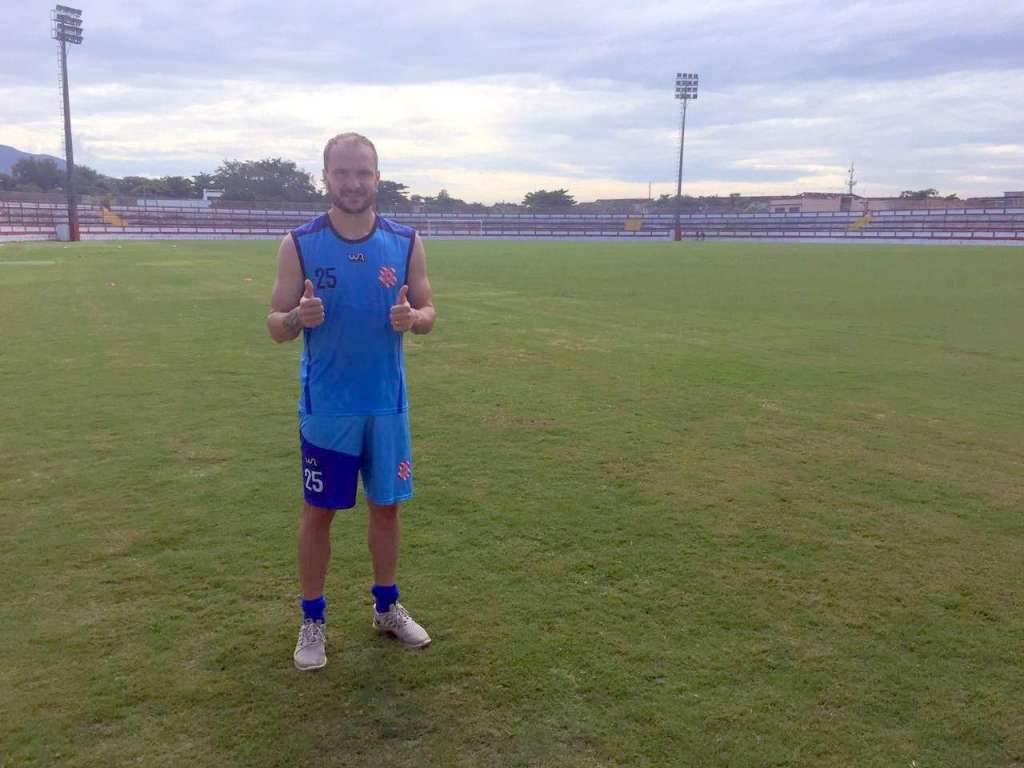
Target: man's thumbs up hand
[(311, 309), (403, 316)]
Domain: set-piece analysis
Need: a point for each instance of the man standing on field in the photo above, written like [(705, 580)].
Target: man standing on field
[(352, 283)]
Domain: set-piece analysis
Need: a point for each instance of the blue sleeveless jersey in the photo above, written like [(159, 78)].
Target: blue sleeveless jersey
[(352, 363)]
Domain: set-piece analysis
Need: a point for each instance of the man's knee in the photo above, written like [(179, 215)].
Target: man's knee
[(316, 517), (383, 512)]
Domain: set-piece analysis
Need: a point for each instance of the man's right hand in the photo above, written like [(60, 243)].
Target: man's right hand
[(310, 309)]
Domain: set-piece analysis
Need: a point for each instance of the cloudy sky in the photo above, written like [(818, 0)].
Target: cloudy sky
[(492, 100)]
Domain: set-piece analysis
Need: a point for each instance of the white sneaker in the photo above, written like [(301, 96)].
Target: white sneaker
[(310, 652), (399, 623)]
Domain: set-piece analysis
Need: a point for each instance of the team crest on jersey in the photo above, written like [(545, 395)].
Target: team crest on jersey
[(357, 256), (388, 277)]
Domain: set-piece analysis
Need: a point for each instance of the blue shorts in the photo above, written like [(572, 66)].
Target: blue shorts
[(336, 449)]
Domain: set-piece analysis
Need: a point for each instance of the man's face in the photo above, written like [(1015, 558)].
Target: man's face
[(351, 177)]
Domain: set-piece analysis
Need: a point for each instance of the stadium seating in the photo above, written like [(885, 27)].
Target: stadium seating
[(35, 220)]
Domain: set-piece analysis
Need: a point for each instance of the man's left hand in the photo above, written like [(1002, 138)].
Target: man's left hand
[(403, 316)]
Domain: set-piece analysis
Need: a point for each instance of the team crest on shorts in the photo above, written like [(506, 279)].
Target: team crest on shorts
[(388, 277), (404, 470)]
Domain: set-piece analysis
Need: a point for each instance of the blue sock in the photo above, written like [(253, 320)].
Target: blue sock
[(385, 596), (313, 610)]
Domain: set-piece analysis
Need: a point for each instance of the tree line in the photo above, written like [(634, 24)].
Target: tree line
[(275, 180), (270, 180)]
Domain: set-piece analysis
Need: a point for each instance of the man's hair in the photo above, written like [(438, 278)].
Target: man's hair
[(350, 138)]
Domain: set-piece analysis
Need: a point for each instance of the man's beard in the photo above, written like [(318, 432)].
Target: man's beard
[(339, 202)]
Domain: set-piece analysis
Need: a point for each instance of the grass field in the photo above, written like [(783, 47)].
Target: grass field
[(677, 505)]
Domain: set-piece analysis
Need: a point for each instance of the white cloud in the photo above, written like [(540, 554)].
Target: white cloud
[(490, 101)]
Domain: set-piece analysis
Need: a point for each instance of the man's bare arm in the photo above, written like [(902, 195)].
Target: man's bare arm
[(292, 303), (421, 295)]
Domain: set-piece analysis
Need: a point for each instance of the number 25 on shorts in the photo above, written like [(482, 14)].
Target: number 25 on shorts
[(314, 480)]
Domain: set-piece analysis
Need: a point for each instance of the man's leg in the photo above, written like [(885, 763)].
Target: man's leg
[(314, 549), (314, 554), (382, 537), (330, 471), (387, 477)]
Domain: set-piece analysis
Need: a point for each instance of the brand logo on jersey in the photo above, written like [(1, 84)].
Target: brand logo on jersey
[(357, 257), (388, 277), (312, 461), (404, 470)]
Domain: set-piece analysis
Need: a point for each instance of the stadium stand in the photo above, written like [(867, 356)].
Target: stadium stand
[(23, 220)]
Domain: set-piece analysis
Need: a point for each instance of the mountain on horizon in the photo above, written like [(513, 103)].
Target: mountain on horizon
[(9, 156)]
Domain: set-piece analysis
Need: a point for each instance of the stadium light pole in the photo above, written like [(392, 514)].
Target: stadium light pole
[(686, 89), (66, 27)]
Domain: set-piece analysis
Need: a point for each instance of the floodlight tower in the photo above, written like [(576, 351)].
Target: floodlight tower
[(66, 27), (686, 89)]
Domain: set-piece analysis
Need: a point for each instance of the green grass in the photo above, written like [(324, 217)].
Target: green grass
[(688, 505)]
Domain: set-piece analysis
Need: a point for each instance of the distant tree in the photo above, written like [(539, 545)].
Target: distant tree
[(445, 203), (543, 200), (506, 207), (918, 194), (203, 181), (271, 179), (667, 204), (7, 183), (32, 175), (92, 182), (177, 187), (43, 173), (391, 196), (138, 186)]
